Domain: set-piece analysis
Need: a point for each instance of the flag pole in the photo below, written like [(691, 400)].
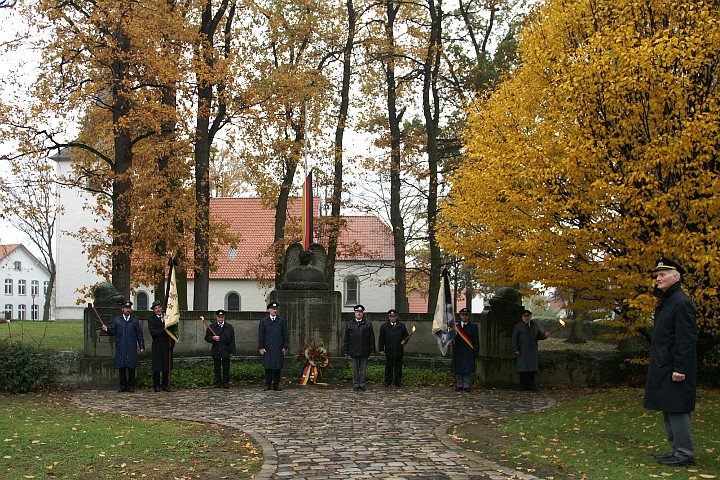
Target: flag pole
[(171, 263)]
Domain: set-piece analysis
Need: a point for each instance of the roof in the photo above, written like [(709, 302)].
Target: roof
[(253, 220), (6, 250)]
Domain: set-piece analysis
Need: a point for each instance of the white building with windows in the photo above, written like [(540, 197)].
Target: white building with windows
[(363, 274), (25, 283)]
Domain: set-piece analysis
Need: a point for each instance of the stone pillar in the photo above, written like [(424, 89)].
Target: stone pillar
[(312, 316), (496, 360)]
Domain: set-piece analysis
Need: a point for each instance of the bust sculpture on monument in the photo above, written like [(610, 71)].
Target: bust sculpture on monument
[(305, 269), (107, 296)]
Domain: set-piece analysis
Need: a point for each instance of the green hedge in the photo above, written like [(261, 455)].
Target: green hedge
[(23, 368), (203, 376)]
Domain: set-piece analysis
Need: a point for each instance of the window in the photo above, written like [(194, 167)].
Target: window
[(233, 302), (21, 287), (8, 286), (142, 301), (232, 253), (34, 288), (8, 311), (46, 286), (21, 312), (352, 291), (35, 312), (18, 266)]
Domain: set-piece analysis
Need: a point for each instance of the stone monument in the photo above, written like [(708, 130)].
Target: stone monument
[(310, 307), (496, 360)]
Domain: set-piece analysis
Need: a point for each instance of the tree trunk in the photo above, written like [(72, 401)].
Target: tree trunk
[(336, 200)]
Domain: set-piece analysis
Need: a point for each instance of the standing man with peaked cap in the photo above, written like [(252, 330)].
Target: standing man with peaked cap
[(672, 373), (525, 336), (359, 344), (222, 336), (162, 346), (273, 341), (128, 336), (467, 348), (391, 344)]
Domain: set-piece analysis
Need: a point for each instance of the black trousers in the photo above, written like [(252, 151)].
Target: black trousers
[(393, 371), (272, 377), (127, 377), (157, 382), (223, 363), (527, 380)]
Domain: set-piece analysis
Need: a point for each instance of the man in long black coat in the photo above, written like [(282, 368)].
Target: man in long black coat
[(467, 348), (672, 373), (273, 343), (525, 336), (128, 336), (162, 346), (391, 344), (222, 336), (359, 344)]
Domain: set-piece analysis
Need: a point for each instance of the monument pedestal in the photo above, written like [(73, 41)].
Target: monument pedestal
[(312, 316)]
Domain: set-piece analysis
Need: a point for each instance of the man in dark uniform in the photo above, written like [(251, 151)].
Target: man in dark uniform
[(359, 344), (391, 344), (222, 337), (466, 347), (525, 336), (128, 336), (273, 344), (672, 373), (162, 346)]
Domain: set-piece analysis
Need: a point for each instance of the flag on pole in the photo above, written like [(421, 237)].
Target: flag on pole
[(444, 321), (307, 212), (172, 307)]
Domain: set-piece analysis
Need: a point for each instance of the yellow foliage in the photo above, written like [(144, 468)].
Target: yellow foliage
[(597, 157)]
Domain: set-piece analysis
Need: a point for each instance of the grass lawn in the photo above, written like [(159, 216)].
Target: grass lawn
[(47, 436), (48, 336), (605, 435)]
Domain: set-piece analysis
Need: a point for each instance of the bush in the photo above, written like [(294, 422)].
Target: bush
[(203, 376), (412, 377), (22, 368)]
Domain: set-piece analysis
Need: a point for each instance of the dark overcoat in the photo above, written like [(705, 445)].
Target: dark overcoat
[(225, 347), (525, 338), (464, 355), (390, 339), (273, 337), (359, 338), (673, 349), (128, 337), (162, 345)]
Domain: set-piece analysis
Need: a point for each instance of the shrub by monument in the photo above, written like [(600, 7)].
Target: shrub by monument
[(22, 368)]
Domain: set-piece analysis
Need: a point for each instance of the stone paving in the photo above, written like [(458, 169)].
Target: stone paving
[(331, 432)]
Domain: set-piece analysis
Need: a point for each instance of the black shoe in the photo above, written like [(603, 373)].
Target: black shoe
[(122, 389), (362, 388), (277, 387), (533, 388), (399, 385), (131, 389), (467, 389), (225, 385), (166, 389), (387, 385), (267, 387), (676, 461), (357, 389), (663, 456), (156, 388), (217, 385)]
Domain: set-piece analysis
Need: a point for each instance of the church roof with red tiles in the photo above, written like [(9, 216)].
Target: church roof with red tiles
[(362, 238)]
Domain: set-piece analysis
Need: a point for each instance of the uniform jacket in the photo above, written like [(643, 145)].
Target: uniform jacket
[(162, 344), (524, 340), (390, 338), (673, 349), (128, 337), (226, 346), (359, 338), (464, 355), (273, 337)]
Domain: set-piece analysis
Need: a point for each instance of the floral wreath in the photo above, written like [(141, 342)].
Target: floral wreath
[(315, 355)]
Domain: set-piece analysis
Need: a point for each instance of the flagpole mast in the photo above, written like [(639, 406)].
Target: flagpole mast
[(171, 263)]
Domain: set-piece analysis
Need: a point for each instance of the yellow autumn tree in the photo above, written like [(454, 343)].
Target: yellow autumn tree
[(598, 156)]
